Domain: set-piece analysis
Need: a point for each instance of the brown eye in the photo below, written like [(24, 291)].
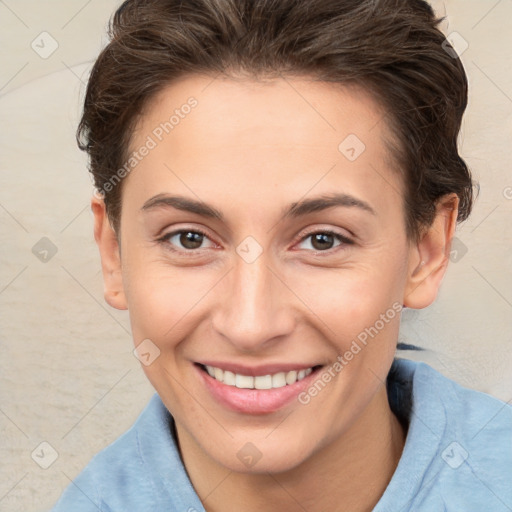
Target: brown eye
[(184, 239), (191, 240), (326, 240), (321, 241)]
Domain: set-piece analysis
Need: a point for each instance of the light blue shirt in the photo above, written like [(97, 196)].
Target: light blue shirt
[(457, 455)]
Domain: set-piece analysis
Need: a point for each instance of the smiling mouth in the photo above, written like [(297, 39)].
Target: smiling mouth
[(260, 382)]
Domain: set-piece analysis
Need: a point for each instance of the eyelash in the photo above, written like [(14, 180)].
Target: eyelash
[(164, 240)]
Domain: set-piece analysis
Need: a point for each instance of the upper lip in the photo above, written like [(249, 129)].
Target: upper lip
[(257, 370)]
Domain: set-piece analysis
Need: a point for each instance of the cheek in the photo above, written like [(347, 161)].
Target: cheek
[(163, 301), (164, 305), (347, 300)]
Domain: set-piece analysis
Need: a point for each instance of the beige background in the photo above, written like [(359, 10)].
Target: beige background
[(67, 373)]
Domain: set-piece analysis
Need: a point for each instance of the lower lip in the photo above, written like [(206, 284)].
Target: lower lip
[(254, 401)]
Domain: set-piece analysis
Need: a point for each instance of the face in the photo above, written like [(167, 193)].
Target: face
[(263, 239)]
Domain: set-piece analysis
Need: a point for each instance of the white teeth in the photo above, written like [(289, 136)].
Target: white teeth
[(291, 377), (218, 373), (244, 381), (229, 378), (263, 382), (278, 380)]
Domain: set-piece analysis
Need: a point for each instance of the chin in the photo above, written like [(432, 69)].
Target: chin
[(262, 455)]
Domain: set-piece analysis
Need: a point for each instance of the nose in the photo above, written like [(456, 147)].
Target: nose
[(256, 310)]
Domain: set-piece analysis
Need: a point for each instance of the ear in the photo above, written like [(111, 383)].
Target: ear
[(429, 257), (106, 239)]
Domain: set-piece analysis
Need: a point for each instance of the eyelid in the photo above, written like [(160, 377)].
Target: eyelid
[(347, 239), (343, 239), (169, 234), (344, 243)]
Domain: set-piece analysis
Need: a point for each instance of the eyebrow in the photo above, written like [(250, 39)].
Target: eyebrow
[(293, 210)]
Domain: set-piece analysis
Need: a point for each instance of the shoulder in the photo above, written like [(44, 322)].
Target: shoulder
[(476, 444), (471, 415), (467, 412), (458, 448), (116, 477)]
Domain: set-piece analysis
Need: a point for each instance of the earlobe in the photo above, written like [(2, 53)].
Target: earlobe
[(428, 258), (108, 245)]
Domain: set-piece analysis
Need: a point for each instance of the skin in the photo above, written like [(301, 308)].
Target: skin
[(249, 149)]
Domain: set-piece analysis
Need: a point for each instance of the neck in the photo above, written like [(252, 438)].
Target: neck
[(351, 473)]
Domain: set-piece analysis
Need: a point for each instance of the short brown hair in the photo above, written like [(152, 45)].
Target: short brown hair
[(392, 48)]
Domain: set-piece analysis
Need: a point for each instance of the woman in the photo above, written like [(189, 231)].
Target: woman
[(275, 181)]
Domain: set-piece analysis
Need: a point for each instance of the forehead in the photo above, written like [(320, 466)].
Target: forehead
[(249, 138), (308, 110)]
